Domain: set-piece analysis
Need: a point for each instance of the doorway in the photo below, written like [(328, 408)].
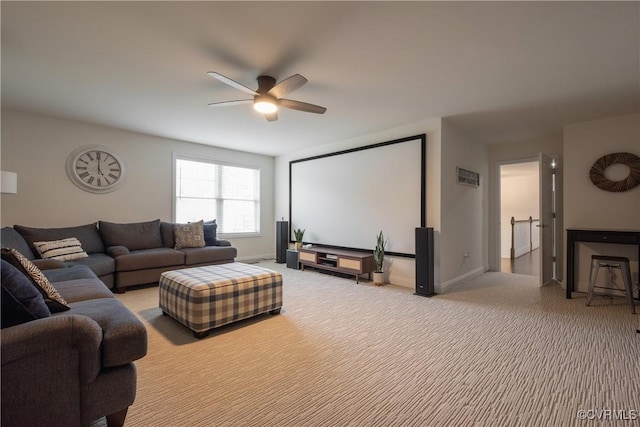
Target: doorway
[(519, 217), (528, 229)]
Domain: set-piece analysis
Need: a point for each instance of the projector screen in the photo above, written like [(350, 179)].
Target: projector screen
[(344, 199)]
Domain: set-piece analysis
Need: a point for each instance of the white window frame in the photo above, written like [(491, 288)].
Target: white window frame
[(220, 234)]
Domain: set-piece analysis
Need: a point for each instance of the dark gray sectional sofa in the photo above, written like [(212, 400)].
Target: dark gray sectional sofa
[(124, 255), (69, 366)]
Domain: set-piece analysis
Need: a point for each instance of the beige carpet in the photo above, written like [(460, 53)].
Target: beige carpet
[(498, 350)]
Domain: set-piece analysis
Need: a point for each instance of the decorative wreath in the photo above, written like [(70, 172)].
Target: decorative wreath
[(600, 180)]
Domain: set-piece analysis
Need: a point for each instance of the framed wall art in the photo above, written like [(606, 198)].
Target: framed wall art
[(468, 177)]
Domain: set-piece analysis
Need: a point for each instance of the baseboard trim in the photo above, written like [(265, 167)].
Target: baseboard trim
[(444, 287)]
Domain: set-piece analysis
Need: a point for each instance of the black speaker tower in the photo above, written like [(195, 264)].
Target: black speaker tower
[(424, 262), (282, 241)]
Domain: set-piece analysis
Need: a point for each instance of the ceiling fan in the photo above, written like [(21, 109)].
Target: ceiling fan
[(268, 97)]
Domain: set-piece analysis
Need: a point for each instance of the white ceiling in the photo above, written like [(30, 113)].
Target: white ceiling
[(505, 71)]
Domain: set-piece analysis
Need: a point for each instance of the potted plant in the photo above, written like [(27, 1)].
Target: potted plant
[(299, 234), (378, 257)]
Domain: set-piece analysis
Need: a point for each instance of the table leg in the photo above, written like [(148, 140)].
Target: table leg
[(570, 263)]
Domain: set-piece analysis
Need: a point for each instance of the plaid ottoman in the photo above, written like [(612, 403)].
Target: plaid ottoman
[(203, 298)]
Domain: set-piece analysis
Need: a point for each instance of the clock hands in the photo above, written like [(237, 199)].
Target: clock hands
[(99, 162)]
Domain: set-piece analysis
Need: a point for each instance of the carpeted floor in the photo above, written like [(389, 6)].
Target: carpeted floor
[(498, 350)]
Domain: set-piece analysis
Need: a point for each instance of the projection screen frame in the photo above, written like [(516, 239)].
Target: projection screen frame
[(423, 188)]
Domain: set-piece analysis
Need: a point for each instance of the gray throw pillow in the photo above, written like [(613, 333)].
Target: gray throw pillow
[(210, 230)]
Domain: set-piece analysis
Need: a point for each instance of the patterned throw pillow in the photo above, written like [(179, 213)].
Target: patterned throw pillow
[(189, 235), (52, 298), (63, 250)]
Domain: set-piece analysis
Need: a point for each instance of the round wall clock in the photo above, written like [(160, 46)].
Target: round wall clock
[(95, 168)]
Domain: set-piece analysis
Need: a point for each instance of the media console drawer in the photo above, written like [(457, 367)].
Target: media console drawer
[(340, 260), (307, 256), (353, 264)]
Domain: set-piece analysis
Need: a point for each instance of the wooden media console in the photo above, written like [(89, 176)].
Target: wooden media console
[(339, 260)]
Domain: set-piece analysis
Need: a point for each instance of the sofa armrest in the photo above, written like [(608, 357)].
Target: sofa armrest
[(50, 339), (48, 264), (223, 242), (116, 251)]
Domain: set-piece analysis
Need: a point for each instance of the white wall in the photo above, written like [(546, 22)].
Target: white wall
[(36, 148), (464, 209), (586, 206), (509, 153)]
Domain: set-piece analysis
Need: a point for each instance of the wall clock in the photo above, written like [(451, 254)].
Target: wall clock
[(96, 169)]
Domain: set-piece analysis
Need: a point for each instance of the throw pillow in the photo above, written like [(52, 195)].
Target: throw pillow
[(189, 235), (21, 301), (52, 298), (63, 250), (210, 229)]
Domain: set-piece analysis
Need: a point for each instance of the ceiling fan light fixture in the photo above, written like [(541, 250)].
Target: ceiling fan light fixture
[(265, 104), (268, 98)]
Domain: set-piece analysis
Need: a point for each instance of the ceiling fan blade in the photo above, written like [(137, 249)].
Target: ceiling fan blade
[(272, 117), (287, 85), (232, 83), (301, 106), (230, 103)]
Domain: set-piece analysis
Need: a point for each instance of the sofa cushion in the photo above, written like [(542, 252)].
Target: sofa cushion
[(88, 235), (134, 236), (166, 230), (209, 254), (82, 289), (10, 238), (21, 301), (210, 231), (68, 273), (48, 264), (63, 250), (52, 298), (100, 264), (124, 336), (149, 258), (189, 235)]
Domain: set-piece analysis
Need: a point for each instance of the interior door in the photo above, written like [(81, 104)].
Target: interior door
[(546, 226)]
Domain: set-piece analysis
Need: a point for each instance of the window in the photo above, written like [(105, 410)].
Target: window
[(228, 193)]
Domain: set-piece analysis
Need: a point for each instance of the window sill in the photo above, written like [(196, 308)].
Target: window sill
[(227, 236)]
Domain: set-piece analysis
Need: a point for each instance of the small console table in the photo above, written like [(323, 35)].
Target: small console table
[(342, 261), (620, 237)]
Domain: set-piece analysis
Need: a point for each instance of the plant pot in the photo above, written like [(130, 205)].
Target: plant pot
[(298, 245), (378, 279)]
